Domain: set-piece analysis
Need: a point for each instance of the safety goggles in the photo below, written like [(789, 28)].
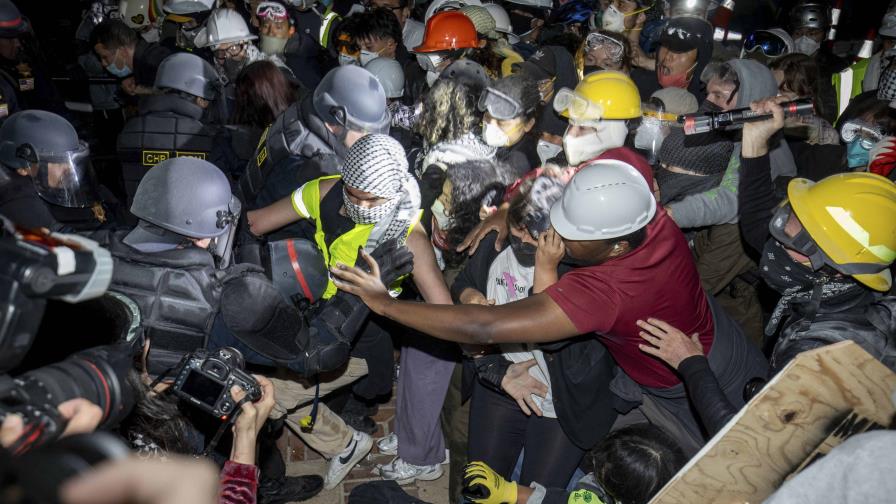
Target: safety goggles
[(272, 10), (804, 244), (867, 133), (576, 106), (770, 44), (613, 47), (499, 105), (229, 52)]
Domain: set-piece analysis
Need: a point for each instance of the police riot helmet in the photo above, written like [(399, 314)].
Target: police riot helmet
[(58, 161), (352, 97), (190, 74)]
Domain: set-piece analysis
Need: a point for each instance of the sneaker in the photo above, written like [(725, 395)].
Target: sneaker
[(404, 473), (341, 464), (388, 445), (289, 489)]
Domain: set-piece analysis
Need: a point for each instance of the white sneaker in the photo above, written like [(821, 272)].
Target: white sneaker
[(341, 464), (404, 473), (388, 445)]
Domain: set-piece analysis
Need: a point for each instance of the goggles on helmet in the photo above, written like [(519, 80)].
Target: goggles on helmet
[(613, 47), (272, 10), (63, 178), (770, 44), (857, 129), (499, 105), (576, 106), (804, 244)]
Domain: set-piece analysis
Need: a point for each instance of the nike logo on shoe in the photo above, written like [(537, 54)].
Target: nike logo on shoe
[(344, 460)]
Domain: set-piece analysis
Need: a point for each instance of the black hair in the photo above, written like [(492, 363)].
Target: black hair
[(868, 106), (524, 90), (156, 417), (530, 208), (379, 23), (113, 34), (635, 239), (633, 463)]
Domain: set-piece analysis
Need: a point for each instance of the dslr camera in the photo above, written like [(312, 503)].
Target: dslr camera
[(204, 378)]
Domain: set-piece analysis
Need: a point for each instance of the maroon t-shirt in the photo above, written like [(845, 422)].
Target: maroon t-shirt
[(658, 279)]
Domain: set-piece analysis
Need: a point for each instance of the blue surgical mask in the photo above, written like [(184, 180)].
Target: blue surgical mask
[(113, 69), (856, 155)]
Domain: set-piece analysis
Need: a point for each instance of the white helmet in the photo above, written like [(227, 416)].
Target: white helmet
[(605, 199), (224, 25), (502, 21), (440, 5), (138, 13), (188, 6), (389, 73), (540, 4)]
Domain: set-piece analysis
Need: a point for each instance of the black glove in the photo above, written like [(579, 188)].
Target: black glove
[(395, 261), (491, 370)]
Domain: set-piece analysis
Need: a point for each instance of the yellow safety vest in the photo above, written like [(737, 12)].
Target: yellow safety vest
[(848, 83), (344, 249)]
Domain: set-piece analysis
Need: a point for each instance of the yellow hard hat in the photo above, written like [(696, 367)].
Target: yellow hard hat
[(852, 219), (600, 95)]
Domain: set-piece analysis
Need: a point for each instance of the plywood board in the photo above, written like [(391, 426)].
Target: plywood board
[(783, 424)]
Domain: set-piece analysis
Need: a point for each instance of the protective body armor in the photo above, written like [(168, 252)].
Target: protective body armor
[(178, 292), (168, 126)]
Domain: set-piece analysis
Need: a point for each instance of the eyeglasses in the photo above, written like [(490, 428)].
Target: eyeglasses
[(860, 130), (271, 10), (613, 47), (232, 51), (576, 106), (499, 105), (767, 42)]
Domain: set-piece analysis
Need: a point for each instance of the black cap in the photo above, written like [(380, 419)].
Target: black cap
[(540, 66), (683, 34)]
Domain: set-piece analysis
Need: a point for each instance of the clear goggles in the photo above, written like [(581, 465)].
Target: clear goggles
[(613, 47), (577, 107), (770, 44), (656, 112), (66, 179), (499, 105), (863, 131), (271, 10)]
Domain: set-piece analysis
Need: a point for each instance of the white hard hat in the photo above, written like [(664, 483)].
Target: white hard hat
[(502, 21), (440, 5), (389, 73), (540, 4), (188, 6), (888, 27), (223, 26), (605, 199), (137, 13)]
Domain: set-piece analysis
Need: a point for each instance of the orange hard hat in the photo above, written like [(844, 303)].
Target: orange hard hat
[(446, 31)]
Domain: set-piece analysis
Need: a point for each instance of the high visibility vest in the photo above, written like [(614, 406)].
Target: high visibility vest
[(848, 83)]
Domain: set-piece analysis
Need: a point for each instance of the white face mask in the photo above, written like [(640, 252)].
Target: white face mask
[(438, 212), (606, 135), (151, 35), (547, 150), (431, 77), (345, 60), (806, 45), (613, 20), (367, 56), (494, 135)]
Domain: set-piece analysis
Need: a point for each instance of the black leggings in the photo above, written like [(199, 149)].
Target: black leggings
[(499, 430)]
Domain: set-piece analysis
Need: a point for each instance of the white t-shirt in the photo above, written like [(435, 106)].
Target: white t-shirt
[(509, 281)]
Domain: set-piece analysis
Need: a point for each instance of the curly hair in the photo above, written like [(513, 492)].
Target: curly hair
[(449, 112)]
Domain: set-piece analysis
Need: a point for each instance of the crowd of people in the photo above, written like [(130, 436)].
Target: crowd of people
[(572, 237)]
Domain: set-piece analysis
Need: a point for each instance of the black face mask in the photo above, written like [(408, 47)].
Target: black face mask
[(674, 186), (708, 106), (520, 23), (782, 273), (524, 252)]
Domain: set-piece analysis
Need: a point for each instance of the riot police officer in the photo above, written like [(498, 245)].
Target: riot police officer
[(50, 181), (21, 70), (170, 124)]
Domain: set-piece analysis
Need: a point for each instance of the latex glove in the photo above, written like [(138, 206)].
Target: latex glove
[(482, 485)]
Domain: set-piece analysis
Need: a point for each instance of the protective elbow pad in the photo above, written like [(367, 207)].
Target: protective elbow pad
[(324, 353), (342, 316)]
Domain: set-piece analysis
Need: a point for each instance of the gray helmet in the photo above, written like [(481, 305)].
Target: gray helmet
[(809, 15), (389, 73), (188, 73), (12, 24), (187, 196), (352, 97), (46, 141)]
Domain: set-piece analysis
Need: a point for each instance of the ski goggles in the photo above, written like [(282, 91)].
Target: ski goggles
[(769, 43), (271, 10), (863, 131), (613, 47), (575, 106), (499, 105)]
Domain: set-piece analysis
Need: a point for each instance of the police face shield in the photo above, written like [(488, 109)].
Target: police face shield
[(499, 105), (63, 178)]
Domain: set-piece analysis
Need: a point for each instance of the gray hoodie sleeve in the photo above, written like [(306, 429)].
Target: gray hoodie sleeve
[(716, 206)]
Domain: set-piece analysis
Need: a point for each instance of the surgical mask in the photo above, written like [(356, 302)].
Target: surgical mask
[(856, 155), (494, 135), (547, 151), (806, 45), (151, 35), (613, 20), (345, 60), (431, 77), (522, 251), (368, 56), (679, 80), (606, 135), (113, 69), (440, 215), (272, 45)]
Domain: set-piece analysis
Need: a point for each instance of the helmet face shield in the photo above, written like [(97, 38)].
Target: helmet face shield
[(576, 107), (499, 105), (66, 178)]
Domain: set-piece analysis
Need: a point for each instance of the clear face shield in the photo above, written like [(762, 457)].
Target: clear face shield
[(654, 128), (66, 178)]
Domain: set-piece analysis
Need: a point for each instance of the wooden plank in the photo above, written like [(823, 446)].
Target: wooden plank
[(783, 424)]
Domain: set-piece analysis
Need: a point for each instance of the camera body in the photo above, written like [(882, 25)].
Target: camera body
[(204, 379)]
